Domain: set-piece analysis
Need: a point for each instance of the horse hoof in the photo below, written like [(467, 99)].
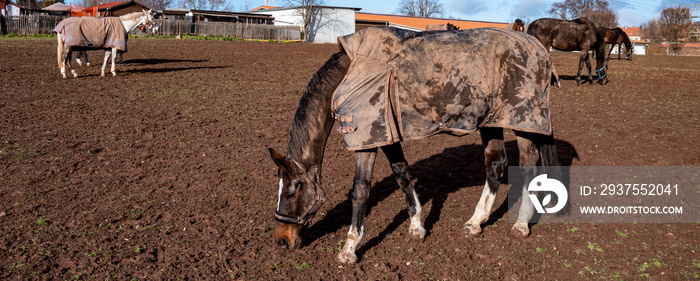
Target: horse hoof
[(345, 257), (417, 232), (520, 230), (114, 74), (472, 229), (88, 64), (102, 75)]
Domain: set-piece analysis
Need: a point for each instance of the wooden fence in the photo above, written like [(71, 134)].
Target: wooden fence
[(44, 24), (170, 27), (31, 24)]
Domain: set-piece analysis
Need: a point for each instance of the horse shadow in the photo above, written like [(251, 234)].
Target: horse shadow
[(436, 177), (159, 61), (173, 69)]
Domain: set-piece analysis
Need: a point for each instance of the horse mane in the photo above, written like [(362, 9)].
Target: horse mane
[(131, 16), (315, 104)]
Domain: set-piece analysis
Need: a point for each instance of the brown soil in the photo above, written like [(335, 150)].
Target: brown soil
[(162, 173)]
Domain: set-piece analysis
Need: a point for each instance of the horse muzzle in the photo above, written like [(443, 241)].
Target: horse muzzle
[(288, 235)]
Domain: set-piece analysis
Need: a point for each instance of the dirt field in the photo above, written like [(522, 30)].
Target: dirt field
[(163, 173)]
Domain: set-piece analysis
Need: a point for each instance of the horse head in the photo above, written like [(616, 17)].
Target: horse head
[(148, 21), (299, 198), (519, 25)]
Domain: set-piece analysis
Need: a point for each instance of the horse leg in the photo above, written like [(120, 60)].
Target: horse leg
[(394, 154), (114, 57), (82, 54), (104, 62), (67, 57), (588, 65), (64, 58), (529, 154), (581, 61), (495, 160), (364, 163)]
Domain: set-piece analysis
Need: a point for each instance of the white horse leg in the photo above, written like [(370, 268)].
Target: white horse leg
[(364, 164), (114, 57), (104, 63), (496, 160), (68, 61), (528, 165)]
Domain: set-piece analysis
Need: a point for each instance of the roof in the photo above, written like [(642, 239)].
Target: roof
[(265, 8), (421, 22), (57, 7), (258, 9), (632, 31), (638, 41), (110, 5)]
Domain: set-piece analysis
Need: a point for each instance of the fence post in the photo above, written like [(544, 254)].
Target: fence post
[(3, 26)]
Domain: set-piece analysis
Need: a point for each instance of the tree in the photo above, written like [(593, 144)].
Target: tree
[(211, 5), (308, 10), (420, 8), (675, 24), (572, 9), (603, 16), (650, 31), (156, 4)]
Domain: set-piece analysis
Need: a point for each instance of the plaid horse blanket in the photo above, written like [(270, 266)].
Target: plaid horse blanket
[(93, 32), (404, 85)]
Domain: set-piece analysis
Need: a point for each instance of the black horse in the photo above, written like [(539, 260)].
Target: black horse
[(573, 35), (617, 36), (406, 85)]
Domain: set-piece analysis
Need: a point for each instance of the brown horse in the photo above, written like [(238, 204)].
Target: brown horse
[(573, 35), (617, 36), (387, 85), (517, 25), (435, 26)]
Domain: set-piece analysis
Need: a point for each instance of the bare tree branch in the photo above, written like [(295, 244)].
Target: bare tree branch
[(420, 8)]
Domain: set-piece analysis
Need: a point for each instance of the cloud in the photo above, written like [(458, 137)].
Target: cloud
[(470, 7), (530, 9)]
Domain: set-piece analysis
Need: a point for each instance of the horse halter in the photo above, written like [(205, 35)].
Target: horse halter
[(317, 201), (599, 70)]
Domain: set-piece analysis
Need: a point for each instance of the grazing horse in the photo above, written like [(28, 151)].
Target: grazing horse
[(617, 36), (435, 26), (573, 35), (88, 33), (517, 25), (387, 85)]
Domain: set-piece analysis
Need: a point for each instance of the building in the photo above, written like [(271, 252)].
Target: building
[(364, 20), (326, 25), (215, 16), (121, 8), (9, 8), (58, 9)]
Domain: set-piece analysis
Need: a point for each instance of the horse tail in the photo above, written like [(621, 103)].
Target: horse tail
[(555, 76), (60, 49)]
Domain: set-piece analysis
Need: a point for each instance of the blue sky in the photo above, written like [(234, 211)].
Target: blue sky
[(630, 12)]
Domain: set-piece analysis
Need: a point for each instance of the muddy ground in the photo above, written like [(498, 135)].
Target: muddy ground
[(163, 173)]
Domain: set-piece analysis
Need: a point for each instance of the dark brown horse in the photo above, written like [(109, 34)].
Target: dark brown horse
[(517, 25), (617, 36), (573, 35), (387, 85)]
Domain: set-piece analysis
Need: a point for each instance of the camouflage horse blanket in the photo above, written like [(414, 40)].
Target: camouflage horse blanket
[(404, 85), (93, 32)]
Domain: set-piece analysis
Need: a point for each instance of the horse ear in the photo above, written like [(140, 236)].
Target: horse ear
[(281, 161)]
